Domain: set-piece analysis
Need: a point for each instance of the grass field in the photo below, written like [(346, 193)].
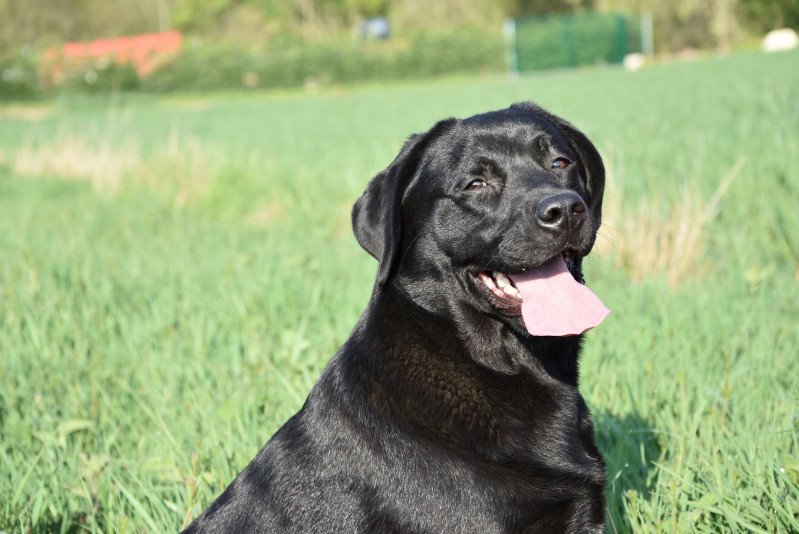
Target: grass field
[(175, 273)]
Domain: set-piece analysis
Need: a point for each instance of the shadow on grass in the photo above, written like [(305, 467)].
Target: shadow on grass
[(630, 447)]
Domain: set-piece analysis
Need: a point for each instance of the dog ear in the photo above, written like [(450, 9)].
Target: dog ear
[(376, 216), (591, 167)]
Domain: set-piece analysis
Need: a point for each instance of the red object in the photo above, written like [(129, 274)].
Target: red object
[(145, 52)]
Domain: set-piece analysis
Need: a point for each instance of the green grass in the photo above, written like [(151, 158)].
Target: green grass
[(155, 331)]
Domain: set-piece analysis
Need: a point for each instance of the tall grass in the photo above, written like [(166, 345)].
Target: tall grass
[(155, 333), (75, 157), (645, 240)]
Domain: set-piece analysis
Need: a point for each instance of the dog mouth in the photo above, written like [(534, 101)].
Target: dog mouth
[(501, 292), (551, 297)]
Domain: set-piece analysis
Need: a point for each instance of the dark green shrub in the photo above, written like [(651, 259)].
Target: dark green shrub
[(19, 77), (99, 76), (201, 67), (212, 66)]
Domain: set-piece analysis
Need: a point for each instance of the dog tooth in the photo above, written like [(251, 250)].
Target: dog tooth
[(487, 281), (502, 280), (510, 291)]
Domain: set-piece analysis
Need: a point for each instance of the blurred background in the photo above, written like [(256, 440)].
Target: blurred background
[(177, 264), (189, 45)]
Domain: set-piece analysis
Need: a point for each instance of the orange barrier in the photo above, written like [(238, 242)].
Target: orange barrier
[(145, 52)]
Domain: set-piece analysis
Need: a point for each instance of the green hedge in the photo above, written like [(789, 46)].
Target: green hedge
[(208, 66), (100, 76), (203, 66), (19, 78)]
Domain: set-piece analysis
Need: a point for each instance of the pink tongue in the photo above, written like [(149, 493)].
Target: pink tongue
[(555, 304)]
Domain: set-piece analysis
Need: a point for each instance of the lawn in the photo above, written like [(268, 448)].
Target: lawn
[(175, 272)]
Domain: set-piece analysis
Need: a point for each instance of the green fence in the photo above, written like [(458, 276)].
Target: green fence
[(569, 40)]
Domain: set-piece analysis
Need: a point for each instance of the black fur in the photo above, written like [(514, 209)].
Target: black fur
[(441, 413)]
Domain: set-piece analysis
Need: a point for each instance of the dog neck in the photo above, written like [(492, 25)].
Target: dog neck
[(428, 372), (456, 330)]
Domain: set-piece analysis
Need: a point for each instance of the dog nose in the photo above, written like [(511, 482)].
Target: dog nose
[(561, 210)]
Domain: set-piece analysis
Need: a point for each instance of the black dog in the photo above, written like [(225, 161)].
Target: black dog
[(453, 407)]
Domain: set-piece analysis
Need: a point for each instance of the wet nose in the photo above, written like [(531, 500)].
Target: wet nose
[(561, 211)]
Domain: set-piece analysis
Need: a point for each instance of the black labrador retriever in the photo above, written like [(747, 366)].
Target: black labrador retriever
[(453, 407)]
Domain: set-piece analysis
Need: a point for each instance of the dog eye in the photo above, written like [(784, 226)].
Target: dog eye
[(561, 163), (476, 184)]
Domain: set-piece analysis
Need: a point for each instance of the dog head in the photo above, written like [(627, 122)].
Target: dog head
[(472, 203)]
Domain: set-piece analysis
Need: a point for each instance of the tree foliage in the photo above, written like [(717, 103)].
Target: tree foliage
[(681, 24), (765, 15), (678, 23)]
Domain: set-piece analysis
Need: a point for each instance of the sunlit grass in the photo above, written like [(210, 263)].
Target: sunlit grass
[(154, 334), (645, 241)]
